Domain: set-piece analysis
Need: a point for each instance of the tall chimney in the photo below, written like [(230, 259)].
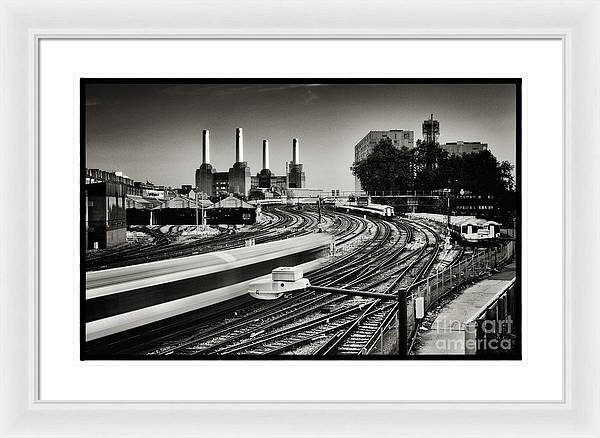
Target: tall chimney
[(295, 151), (205, 147), (239, 145), (265, 154)]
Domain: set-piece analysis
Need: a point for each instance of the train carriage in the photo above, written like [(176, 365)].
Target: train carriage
[(366, 208), (467, 229), (127, 297)]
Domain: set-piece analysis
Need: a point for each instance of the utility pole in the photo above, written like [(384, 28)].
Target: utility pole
[(196, 193), (202, 217), (319, 208), (448, 211), (402, 324)]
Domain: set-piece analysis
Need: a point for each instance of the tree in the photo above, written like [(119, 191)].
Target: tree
[(429, 167), (480, 172), (386, 168), (429, 162)]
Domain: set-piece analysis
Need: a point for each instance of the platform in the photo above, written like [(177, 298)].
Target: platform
[(446, 334)]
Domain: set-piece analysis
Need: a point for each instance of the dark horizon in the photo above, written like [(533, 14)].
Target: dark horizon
[(153, 131)]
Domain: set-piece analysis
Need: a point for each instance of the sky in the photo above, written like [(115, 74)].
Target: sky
[(154, 131)]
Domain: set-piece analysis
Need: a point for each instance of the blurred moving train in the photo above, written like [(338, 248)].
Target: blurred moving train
[(363, 205), (123, 298), (467, 229)]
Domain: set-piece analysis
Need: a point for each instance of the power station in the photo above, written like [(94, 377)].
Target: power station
[(295, 170), (239, 180)]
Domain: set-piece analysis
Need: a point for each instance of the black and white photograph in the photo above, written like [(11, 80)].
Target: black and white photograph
[(319, 219)]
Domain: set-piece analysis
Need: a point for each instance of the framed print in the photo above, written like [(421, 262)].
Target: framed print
[(153, 286), (331, 222)]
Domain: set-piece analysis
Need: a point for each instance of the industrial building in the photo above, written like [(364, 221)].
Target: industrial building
[(400, 138), (138, 209), (230, 211), (105, 198), (114, 201), (130, 186), (238, 180), (105, 219), (464, 147), (295, 169)]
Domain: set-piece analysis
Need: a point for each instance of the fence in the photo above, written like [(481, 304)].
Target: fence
[(495, 328), (434, 287), (346, 193), (508, 231)]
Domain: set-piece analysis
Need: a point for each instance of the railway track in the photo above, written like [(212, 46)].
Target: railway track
[(343, 227), (303, 317), (347, 323), (283, 224), (358, 335), (395, 254)]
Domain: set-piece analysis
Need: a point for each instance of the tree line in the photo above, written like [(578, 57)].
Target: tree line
[(429, 167)]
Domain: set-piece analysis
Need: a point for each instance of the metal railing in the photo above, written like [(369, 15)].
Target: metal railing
[(346, 193), (494, 329), (435, 287)]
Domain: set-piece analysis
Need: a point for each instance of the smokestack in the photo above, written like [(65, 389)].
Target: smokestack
[(205, 147), (295, 151), (239, 145), (265, 154)]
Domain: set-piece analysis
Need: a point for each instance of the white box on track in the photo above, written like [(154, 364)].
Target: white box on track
[(287, 273)]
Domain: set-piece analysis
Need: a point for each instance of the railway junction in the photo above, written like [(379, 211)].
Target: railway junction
[(184, 293)]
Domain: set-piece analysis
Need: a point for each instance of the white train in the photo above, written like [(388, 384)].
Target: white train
[(124, 298), (468, 229), (365, 207)]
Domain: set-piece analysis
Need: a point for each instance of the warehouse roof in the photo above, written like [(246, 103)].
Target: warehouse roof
[(142, 202), (180, 201), (231, 202)]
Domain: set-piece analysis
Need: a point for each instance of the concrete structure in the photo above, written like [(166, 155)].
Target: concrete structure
[(264, 177), (265, 154), (96, 175), (279, 182), (464, 147), (205, 146), (105, 216), (221, 183), (295, 170), (239, 173), (295, 151), (238, 180), (399, 137), (239, 145), (205, 174)]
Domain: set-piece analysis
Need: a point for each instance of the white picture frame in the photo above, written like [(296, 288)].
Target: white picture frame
[(23, 24)]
